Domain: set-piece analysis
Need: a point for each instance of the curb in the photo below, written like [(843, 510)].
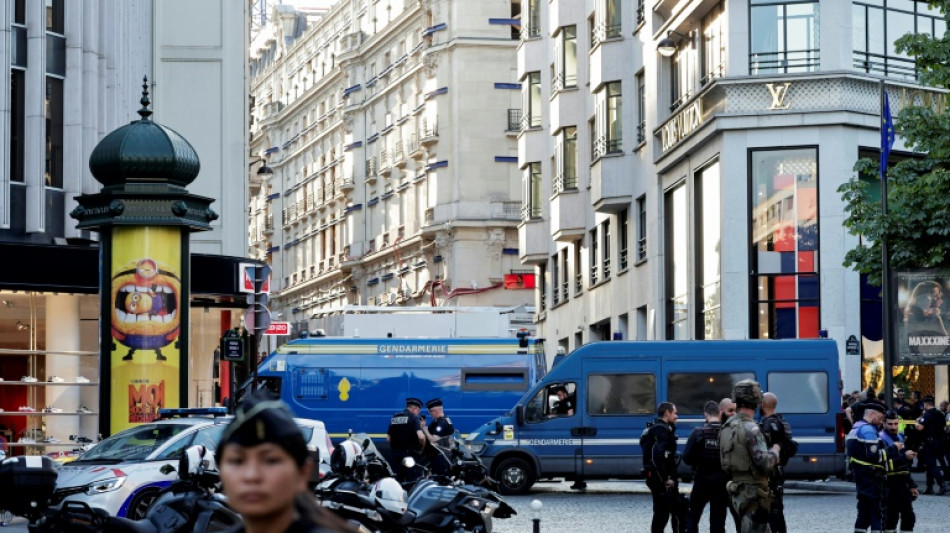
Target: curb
[(821, 486)]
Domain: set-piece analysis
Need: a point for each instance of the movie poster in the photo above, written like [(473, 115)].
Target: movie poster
[(922, 317), (145, 296)]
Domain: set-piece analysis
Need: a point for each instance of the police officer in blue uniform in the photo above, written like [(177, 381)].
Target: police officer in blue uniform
[(869, 456), (709, 485), (901, 488), (441, 425), (406, 438)]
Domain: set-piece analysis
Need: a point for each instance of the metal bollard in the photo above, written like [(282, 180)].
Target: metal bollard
[(536, 521)]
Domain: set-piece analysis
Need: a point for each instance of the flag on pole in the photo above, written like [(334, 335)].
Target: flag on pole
[(887, 135)]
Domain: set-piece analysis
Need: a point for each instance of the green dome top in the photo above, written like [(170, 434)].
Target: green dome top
[(144, 152)]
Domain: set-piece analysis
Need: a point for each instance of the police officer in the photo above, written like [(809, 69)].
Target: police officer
[(869, 455), (777, 430), (709, 485), (565, 402), (406, 438), (659, 462), (747, 460), (728, 408), (901, 488), (931, 424), (441, 425)]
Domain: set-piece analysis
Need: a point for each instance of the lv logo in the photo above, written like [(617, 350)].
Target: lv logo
[(778, 91)]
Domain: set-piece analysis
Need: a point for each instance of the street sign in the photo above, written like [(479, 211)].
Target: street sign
[(278, 328), (232, 346), (851, 346), (249, 272), (250, 319)]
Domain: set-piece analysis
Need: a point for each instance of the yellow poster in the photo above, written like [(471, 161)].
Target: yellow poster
[(145, 302)]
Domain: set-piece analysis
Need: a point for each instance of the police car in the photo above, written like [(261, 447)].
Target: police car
[(123, 473)]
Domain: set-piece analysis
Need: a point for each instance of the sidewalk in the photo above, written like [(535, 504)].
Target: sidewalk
[(838, 485)]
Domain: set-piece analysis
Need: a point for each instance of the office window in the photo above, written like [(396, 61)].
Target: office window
[(785, 244), (605, 238), (675, 217), (714, 46), (621, 394), (543, 288), (708, 249), (565, 275), (641, 109), (555, 280), (879, 23), (565, 66), (608, 120), (578, 269), (594, 259), (532, 101), (19, 12), (801, 392), (54, 132), (783, 36), (641, 229), (623, 220), (531, 209), (606, 21), (565, 164), (691, 390), (55, 16), (682, 74), (17, 111), (532, 20)]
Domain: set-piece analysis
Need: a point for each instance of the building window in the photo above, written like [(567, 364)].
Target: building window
[(708, 249), (543, 288), (594, 258), (641, 18), (565, 276), (784, 36), (682, 74), (714, 47), (532, 101), (641, 109), (555, 280), (565, 155), (623, 220), (19, 12), (565, 76), (578, 269), (784, 240), (641, 229), (605, 238), (55, 16), (531, 210), (17, 111), (606, 21), (608, 120), (879, 23), (532, 22), (675, 217), (54, 132)]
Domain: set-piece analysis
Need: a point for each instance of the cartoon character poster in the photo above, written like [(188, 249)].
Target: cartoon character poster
[(146, 299)]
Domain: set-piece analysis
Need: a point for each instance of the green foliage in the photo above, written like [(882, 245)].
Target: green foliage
[(917, 225)]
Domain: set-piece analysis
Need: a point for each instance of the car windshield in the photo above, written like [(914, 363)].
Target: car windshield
[(134, 444)]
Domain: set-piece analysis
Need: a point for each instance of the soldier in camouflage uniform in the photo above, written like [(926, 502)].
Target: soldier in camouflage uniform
[(747, 460)]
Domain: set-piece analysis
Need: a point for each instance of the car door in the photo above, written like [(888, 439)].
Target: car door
[(617, 399), (546, 434)]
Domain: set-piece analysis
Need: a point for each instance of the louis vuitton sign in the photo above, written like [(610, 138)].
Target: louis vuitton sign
[(682, 124)]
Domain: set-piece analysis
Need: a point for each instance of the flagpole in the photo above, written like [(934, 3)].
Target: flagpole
[(887, 323)]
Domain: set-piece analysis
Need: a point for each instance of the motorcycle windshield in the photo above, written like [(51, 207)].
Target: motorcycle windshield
[(366, 443), (430, 495)]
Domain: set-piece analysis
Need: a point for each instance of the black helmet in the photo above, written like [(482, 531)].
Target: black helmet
[(747, 392)]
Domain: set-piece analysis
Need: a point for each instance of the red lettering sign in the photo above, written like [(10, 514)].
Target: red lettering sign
[(278, 328)]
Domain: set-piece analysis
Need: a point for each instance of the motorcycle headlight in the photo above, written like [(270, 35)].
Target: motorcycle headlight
[(477, 447), (105, 485)]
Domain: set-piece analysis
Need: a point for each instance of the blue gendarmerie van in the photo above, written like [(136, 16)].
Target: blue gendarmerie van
[(617, 386)]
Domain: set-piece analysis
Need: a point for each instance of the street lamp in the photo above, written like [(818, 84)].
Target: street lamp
[(667, 46)]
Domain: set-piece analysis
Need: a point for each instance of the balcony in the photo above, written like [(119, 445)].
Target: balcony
[(385, 164), (269, 225), (611, 185), (414, 148), (345, 183), (309, 204), (398, 155), (514, 121), (533, 242), (428, 132), (372, 170), (568, 216)]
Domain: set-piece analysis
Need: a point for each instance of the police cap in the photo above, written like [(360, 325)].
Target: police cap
[(435, 402), (747, 392), (414, 402), (928, 399), (261, 419), (875, 405)]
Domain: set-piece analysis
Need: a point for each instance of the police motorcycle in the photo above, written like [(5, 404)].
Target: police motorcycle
[(189, 504), (455, 494), (361, 487)]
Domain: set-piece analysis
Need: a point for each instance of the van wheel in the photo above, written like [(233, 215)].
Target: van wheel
[(140, 504), (514, 476)]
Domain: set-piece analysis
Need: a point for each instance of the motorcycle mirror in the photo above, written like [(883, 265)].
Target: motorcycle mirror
[(166, 469), (408, 462)]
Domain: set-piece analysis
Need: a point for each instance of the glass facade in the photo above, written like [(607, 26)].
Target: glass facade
[(785, 243), (54, 132), (675, 220), (708, 252), (879, 23), (783, 36), (532, 101)]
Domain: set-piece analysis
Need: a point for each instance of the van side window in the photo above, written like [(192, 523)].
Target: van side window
[(494, 379), (691, 390), (800, 392), (557, 400), (621, 394)]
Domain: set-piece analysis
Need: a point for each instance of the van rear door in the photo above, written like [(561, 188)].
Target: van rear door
[(617, 399)]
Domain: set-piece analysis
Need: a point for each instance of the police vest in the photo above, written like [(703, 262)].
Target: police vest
[(401, 433), (710, 449)]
